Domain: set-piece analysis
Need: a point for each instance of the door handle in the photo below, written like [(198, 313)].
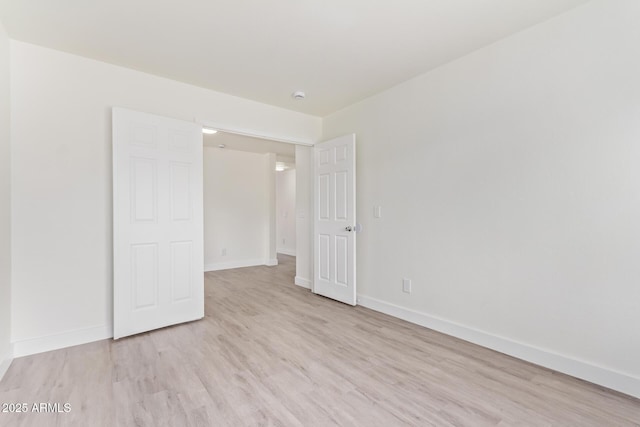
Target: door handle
[(348, 228)]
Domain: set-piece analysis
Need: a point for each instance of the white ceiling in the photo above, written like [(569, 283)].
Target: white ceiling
[(338, 51), (284, 152)]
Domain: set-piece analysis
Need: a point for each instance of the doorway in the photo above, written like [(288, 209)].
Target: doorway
[(249, 201)]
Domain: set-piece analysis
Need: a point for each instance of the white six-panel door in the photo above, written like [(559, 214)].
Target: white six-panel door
[(335, 219), (158, 222)]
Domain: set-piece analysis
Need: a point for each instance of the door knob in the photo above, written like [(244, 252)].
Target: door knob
[(348, 228)]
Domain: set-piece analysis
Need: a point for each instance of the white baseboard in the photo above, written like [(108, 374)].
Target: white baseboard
[(289, 252), (5, 361), (271, 262), (606, 377), (305, 283), (239, 264), (65, 339)]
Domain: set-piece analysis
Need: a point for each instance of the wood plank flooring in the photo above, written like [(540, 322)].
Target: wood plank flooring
[(271, 353)]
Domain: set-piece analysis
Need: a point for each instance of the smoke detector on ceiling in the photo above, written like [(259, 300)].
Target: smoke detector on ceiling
[(298, 95)]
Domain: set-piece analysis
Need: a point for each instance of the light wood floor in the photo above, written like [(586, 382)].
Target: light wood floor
[(271, 353)]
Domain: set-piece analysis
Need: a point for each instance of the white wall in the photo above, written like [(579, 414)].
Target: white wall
[(509, 182), (61, 121), (6, 350), (286, 211), (304, 211), (237, 208)]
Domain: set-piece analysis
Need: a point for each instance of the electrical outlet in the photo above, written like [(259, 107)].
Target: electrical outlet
[(224, 252), (406, 286)]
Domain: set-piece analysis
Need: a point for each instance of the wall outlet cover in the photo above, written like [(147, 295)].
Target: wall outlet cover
[(406, 286)]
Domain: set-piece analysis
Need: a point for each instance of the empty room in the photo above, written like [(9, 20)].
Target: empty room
[(316, 213)]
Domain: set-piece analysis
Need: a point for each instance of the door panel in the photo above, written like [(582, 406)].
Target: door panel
[(158, 224), (342, 260), (144, 265), (181, 270), (342, 205), (334, 219), (143, 189), (180, 191), (323, 200)]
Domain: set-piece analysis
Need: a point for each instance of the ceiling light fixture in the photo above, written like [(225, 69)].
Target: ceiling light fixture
[(209, 131), (280, 166), (298, 95), (221, 146)]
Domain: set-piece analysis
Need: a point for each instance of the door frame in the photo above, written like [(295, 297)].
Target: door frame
[(253, 133)]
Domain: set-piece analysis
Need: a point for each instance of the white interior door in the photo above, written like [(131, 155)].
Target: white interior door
[(335, 219), (158, 222)]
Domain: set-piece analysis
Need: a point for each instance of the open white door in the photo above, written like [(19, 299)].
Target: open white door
[(157, 222), (335, 219)]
